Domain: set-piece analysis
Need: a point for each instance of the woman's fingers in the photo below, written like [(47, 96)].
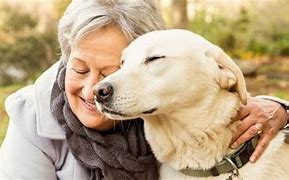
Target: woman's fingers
[(260, 148), (242, 113), (265, 138), (259, 117), (248, 115), (252, 131)]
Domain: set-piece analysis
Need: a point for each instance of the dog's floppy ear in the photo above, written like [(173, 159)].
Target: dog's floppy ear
[(230, 76)]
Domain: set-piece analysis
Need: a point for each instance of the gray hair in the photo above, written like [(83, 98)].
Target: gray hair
[(132, 17)]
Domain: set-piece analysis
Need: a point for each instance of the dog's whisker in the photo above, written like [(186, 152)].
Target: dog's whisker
[(122, 127), (114, 125)]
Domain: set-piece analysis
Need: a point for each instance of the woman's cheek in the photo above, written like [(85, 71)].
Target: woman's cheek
[(72, 82)]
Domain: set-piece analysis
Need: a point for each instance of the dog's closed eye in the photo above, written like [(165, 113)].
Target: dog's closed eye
[(153, 58)]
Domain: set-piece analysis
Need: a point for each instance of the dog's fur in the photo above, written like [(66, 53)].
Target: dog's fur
[(187, 90)]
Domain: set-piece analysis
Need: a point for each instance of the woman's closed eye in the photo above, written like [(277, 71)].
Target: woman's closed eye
[(80, 71)]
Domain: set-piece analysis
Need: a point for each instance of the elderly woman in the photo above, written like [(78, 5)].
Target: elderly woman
[(55, 131)]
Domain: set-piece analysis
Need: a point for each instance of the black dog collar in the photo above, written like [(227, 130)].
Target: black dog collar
[(230, 164)]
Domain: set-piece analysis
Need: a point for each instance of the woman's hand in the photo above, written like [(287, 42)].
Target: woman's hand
[(259, 116)]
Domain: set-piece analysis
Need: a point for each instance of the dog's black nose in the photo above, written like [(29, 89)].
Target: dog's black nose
[(103, 92)]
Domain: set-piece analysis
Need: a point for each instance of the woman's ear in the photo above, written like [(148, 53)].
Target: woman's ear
[(230, 75)]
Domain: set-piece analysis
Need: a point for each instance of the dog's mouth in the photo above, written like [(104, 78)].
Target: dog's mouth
[(150, 111), (113, 114)]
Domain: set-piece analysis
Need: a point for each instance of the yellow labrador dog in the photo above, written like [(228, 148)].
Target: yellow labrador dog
[(187, 90)]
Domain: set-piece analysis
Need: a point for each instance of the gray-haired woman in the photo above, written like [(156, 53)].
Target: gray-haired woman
[(55, 131)]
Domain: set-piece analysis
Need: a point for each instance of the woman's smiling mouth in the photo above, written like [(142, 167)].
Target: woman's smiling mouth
[(88, 104)]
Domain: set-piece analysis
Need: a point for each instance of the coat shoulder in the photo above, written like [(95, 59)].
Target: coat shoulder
[(21, 109)]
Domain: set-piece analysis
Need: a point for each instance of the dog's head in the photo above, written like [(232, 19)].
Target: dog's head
[(163, 71)]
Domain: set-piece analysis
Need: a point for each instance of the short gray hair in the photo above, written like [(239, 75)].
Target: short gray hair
[(132, 17)]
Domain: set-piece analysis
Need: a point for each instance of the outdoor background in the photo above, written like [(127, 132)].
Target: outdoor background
[(254, 33)]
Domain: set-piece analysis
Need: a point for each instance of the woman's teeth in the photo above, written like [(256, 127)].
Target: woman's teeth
[(90, 104)]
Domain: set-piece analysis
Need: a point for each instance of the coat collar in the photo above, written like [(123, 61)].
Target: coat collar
[(47, 126)]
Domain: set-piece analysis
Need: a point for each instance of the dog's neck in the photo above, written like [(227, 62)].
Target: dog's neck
[(194, 137)]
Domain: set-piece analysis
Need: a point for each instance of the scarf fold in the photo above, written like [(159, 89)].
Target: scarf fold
[(121, 153)]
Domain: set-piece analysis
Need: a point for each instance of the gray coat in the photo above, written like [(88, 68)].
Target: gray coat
[(35, 145)]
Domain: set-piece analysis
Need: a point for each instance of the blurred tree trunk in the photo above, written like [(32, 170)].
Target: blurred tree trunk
[(180, 17)]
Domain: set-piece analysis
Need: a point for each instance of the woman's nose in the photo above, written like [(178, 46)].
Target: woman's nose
[(103, 92), (87, 89)]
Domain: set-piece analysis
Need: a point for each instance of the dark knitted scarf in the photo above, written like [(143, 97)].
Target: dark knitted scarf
[(120, 153)]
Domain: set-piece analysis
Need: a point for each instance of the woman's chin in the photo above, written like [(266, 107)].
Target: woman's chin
[(98, 123)]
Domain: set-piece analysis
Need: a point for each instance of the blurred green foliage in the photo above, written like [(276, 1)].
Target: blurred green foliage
[(15, 20), (23, 48), (61, 6), (250, 34)]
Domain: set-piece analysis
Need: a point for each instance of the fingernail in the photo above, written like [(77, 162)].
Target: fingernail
[(234, 145), (252, 158)]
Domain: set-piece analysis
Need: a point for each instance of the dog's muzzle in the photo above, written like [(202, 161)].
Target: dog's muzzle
[(103, 92)]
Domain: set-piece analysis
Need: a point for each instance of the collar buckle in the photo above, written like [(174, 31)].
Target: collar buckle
[(235, 171)]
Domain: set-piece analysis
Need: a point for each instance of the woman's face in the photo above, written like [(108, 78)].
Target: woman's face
[(94, 57)]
